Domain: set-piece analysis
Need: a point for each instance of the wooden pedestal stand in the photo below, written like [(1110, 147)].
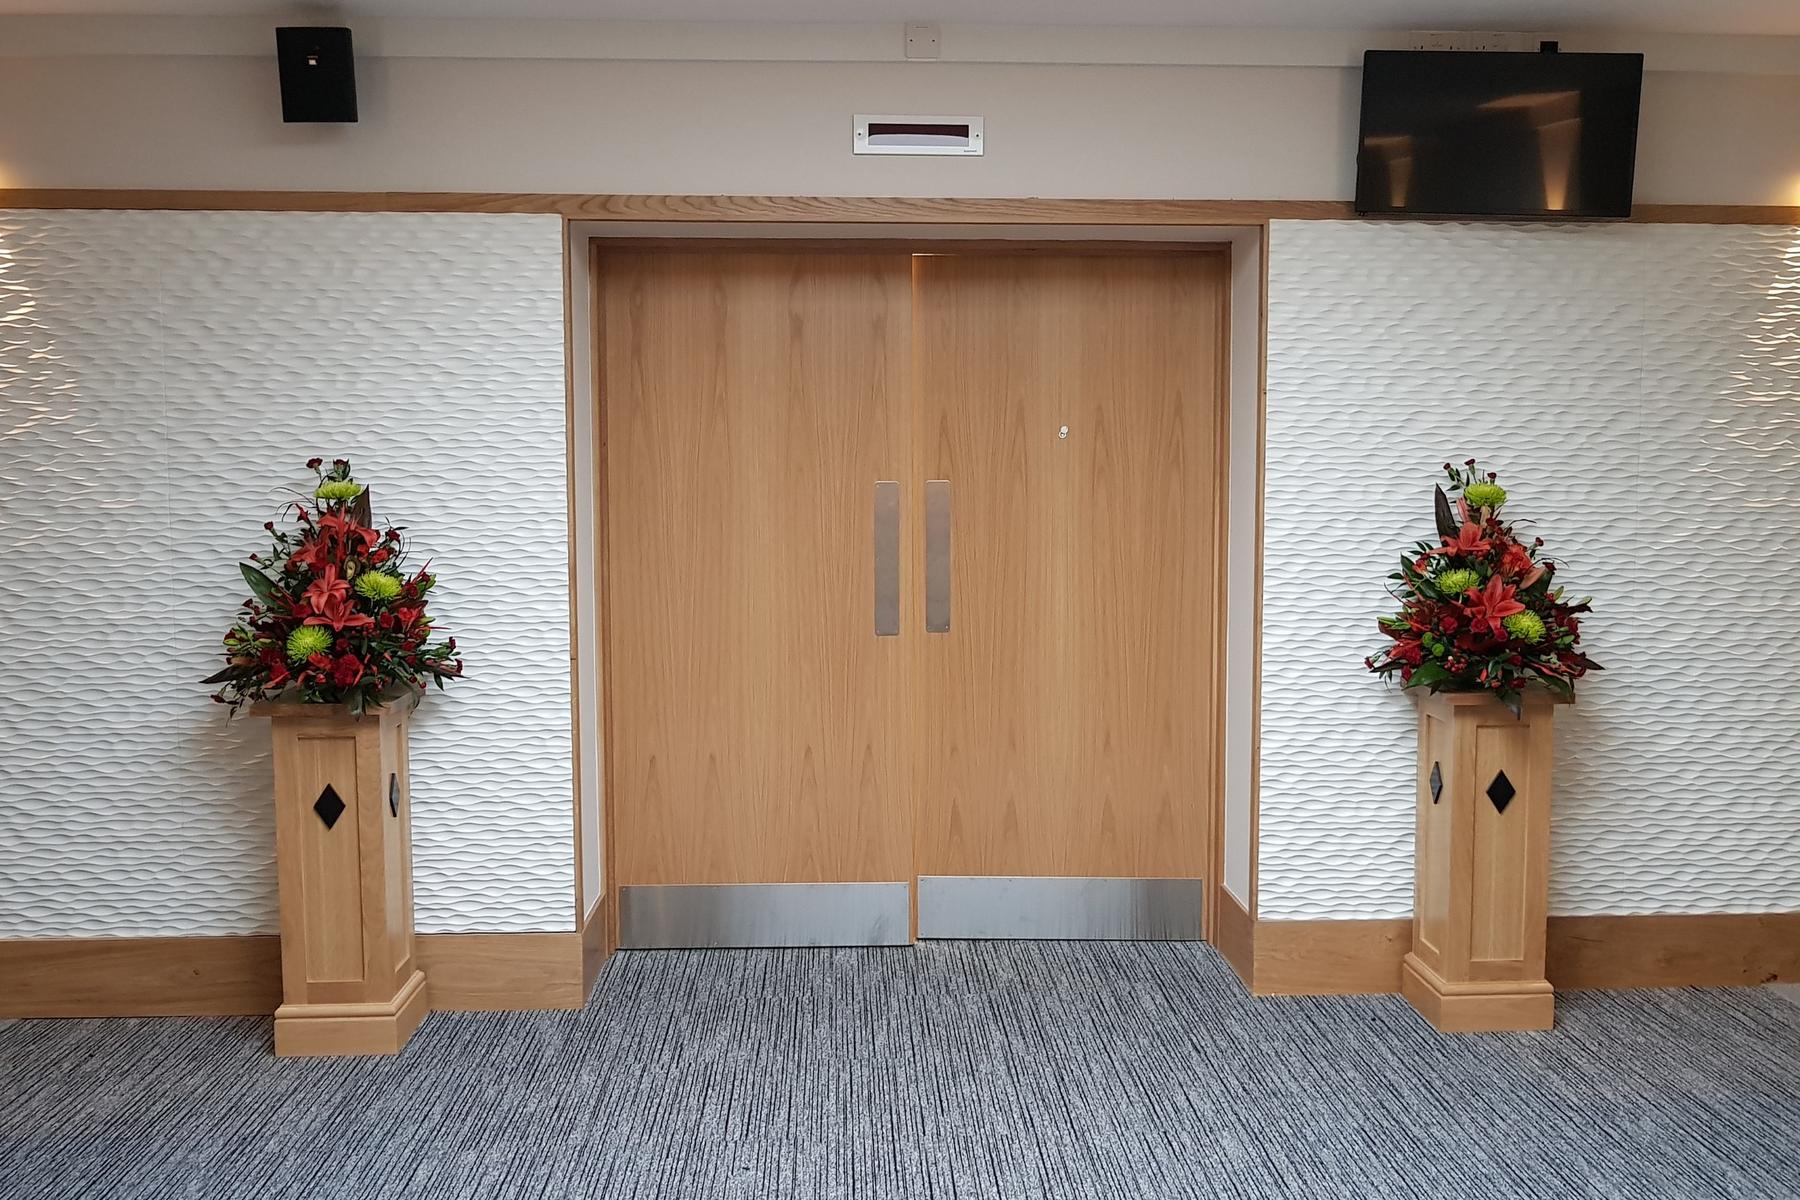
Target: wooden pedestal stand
[(343, 850), (1480, 892)]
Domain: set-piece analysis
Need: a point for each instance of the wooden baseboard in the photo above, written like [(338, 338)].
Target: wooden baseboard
[(1709, 950), (222, 976), (493, 972), (1235, 937), (140, 977), (1329, 958), (599, 938), (1323, 958), (228, 976)]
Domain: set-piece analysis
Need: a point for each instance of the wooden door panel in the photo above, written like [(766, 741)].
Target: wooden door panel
[(1066, 721), (751, 400)]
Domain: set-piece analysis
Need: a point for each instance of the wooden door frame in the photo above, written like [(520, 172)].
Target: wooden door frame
[(597, 245)]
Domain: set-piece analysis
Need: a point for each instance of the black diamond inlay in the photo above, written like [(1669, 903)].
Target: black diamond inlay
[(329, 806), (1437, 782), (394, 793), (1501, 792)]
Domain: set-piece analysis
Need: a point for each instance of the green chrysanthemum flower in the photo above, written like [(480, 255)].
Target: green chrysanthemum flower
[(338, 489), (1526, 626), (307, 641), (378, 586), (1484, 495), (1457, 580)]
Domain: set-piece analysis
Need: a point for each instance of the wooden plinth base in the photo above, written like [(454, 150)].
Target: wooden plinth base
[(311, 1030), (1503, 1007)]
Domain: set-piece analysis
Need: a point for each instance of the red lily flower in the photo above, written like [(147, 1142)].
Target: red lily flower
[(1468, 541), (329, 586), (1492, 605), (337, 613), (342, 528)]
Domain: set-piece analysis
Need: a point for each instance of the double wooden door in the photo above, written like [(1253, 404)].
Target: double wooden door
[(911, 573)]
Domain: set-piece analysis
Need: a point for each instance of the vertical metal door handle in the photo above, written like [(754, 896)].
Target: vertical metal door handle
[(937, 556), (887, 559)]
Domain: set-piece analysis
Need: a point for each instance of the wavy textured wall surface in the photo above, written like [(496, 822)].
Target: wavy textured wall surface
[(163, 376), (1639, 388)]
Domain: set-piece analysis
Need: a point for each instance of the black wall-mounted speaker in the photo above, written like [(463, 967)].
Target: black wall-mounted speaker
[(318, 73)]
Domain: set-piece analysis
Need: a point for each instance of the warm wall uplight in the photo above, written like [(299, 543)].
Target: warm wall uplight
[(1396, 152), (1557, 118)]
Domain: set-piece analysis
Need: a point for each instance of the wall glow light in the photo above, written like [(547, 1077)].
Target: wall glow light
[(1556, 116)]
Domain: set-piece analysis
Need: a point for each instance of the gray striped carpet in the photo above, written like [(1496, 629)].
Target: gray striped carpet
[(966, 1070)]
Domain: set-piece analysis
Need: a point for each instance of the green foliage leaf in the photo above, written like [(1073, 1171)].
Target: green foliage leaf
[(1446, 516), (1428, 675), (259, 583)]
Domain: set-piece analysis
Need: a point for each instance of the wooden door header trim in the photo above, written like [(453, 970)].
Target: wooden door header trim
[(846, 210), (1024, 247)]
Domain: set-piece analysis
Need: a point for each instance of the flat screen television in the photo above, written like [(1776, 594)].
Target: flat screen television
[(1451, 133)]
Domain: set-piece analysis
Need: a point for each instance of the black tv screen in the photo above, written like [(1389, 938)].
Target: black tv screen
[(1472, 133)]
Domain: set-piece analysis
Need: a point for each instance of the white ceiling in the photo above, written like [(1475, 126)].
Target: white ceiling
[(1668, 16)]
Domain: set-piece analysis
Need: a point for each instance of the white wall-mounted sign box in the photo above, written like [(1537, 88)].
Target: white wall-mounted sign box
[(916, 135)]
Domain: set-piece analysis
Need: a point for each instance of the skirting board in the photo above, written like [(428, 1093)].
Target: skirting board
[(1235, 935), (1323, 958), (225, 976)]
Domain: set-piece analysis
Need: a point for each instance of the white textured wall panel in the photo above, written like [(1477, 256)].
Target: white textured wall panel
[(162, 378), (1639, 388)]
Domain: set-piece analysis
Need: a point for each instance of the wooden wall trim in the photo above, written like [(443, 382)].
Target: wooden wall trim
[(843, 210), (140, 977), (1329, 958), (488, 972), (599, 938), (1709, 950), (224, 976), (1235, 937), (1309, 958), (901, 210)]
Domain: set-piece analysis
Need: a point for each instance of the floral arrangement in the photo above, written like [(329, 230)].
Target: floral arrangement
[(1480, 610), (333, 617)]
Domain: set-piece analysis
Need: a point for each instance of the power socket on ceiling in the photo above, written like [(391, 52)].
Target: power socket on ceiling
[(922, 42), (1468, 39)]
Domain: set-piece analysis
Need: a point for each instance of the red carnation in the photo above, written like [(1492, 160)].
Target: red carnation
[(347, 671)]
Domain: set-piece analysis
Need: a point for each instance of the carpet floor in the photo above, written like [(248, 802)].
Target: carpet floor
[(950, 1070)]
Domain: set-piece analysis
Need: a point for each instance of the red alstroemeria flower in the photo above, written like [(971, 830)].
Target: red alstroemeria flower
[(1492, 605), (1469, 541), (1517, 564)]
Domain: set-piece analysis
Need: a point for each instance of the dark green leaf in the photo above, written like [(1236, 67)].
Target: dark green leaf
[(1427, 674), (1446, 516), (259, 583)]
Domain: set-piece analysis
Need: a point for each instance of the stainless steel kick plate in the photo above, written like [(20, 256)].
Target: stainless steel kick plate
[(689, 916), (1060, 906)]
